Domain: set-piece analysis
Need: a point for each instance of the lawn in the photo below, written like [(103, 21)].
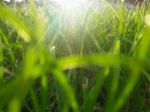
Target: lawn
[(91, 57)]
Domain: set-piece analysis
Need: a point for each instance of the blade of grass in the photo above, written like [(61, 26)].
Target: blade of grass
[(35, 100), (130, 84), (44, 92), (1, 60), (11, 17), (113, 90), (95, 90), (95, 59), (6, 42), (114, 80), (62, 80)]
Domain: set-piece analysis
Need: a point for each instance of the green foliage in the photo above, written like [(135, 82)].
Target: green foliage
[(101, 62)]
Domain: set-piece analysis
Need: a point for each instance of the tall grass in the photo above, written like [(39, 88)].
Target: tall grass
[(101, 61)]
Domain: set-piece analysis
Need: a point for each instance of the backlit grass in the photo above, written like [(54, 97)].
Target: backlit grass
[(92, 60)]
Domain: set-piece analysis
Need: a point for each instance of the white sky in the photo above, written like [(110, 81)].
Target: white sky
[(15, 0)]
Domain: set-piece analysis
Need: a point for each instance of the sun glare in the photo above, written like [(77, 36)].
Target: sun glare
[(71, 4)]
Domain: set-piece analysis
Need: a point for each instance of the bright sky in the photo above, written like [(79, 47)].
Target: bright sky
[(66, 4), (71, 4), (15, 0)]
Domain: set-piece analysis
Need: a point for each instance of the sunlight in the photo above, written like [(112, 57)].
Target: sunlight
[(70, 4), (15, 0)]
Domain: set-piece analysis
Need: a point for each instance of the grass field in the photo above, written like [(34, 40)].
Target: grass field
[(89, 60)]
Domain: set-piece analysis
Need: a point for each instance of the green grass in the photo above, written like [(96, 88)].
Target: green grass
[(100, 61)]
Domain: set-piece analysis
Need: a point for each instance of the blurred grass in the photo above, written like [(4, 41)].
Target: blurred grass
[(101, 61)]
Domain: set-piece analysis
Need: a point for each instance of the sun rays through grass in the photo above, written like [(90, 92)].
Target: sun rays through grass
[(54, 59)]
